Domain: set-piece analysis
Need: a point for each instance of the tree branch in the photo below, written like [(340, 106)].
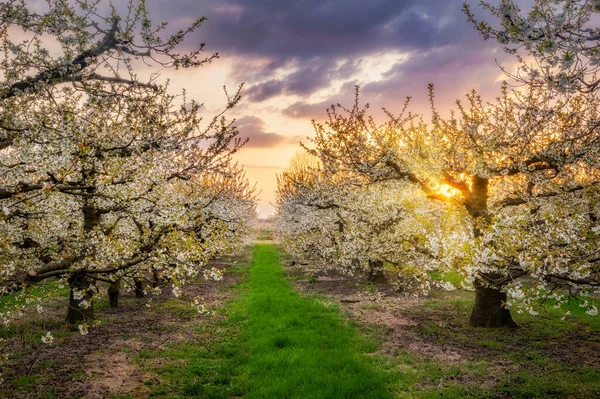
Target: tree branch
[(67, 72)]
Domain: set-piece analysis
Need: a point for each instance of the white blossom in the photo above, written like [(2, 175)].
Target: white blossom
[(48, 338)]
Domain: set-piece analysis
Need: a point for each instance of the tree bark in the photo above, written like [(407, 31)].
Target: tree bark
[(76, 313), (78, 281), (113, 293), (139, 288), (489, 310), (155, 278), (477, 203)]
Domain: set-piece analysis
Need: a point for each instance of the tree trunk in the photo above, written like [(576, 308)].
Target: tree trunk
[(113, 293), (139, 288), (76, 312), (477, 204), (375, 273), (489, 310), (155, 278)]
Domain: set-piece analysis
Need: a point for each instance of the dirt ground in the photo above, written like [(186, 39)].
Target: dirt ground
[(99, 364)]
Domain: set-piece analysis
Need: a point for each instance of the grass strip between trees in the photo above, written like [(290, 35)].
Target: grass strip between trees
[(275, 343), (299, 347), (271, 342)]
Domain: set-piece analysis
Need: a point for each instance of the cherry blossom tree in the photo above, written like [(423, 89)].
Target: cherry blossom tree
[(102, 189), (524, 168), (81, 43), (382, 230), (511, 165), (105, 176), (555, 42)]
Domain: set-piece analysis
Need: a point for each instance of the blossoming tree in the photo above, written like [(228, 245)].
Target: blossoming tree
[(555, 42), (382, 230), (104, 189), (524, 169), (107, 178)]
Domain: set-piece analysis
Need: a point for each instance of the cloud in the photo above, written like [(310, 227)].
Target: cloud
[(303, 30), (452, 72), (299, 48), (264, 91), (304, 80), (253, 128), (289, 29), (304, 110), (318, 110)]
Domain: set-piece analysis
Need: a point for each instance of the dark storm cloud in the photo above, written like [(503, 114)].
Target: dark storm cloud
[(327, 28), (303, 44), (253, 128), (305, 29)]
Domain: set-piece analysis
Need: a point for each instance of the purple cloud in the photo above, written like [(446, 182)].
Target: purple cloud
[(301, 44)]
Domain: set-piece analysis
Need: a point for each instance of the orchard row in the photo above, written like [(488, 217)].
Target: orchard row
[(505, 195)]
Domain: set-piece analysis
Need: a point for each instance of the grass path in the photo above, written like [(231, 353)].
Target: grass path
[(273, 343), (298, 347)]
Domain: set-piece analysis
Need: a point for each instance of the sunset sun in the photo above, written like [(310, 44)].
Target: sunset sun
[(448, 191)]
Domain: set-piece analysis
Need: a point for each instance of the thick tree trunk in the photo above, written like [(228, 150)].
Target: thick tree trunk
[(489, 310), (76, 312), (113, 293), (139, 288)]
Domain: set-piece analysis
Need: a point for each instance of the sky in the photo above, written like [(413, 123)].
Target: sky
[(297, 57)]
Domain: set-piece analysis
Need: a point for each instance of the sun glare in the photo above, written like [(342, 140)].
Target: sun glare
[(447, 191)]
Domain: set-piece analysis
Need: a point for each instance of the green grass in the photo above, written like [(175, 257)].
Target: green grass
[(451, 277), (190, 369), (43, 289), (25, 380), (300, 348), (275, 343), (178, 308)]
